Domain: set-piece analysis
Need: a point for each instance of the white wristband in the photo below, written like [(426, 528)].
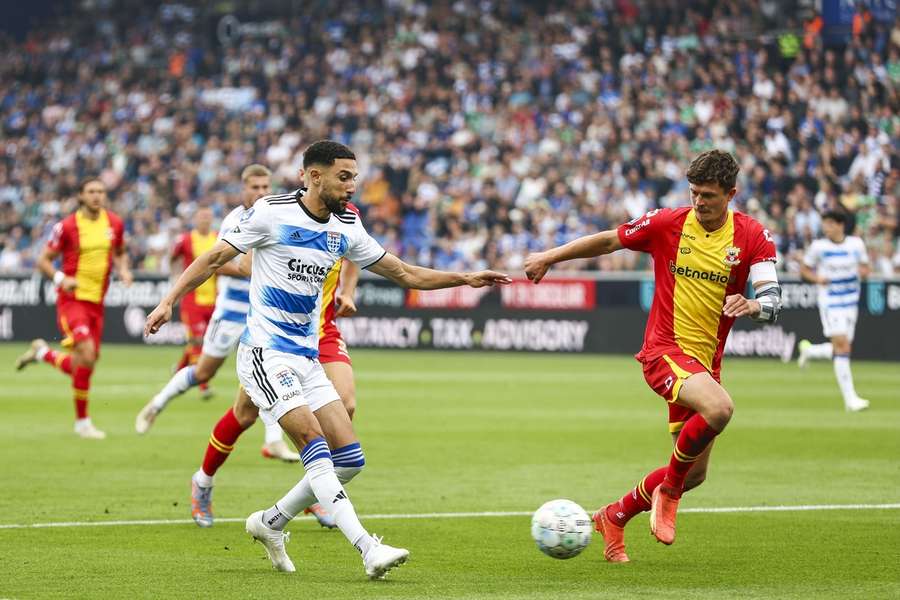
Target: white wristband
[(58, 278)]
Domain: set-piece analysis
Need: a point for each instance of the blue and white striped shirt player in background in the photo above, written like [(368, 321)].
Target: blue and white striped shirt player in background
[(296, 239), (229, 320), (838, 262)]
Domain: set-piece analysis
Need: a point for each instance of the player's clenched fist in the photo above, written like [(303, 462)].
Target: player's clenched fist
[(738, 306), (156, 319), (536, 266)]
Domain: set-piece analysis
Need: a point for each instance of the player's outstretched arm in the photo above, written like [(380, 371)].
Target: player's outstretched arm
[(422, 278), (589, 246), (199, 271)]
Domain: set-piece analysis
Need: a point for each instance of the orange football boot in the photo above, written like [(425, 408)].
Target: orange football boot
[(663, 507), (613, 537)]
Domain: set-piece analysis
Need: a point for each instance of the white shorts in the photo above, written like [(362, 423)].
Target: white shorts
[(222, 337), (278, 382), (839, 321)]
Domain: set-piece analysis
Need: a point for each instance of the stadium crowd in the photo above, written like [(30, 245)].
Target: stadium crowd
[(485, 130)]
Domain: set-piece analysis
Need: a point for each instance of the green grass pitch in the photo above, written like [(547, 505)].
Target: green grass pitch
[(449, 433)]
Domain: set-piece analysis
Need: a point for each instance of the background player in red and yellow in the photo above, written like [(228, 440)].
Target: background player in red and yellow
[(197, 307), (89, 242), (703, 256)]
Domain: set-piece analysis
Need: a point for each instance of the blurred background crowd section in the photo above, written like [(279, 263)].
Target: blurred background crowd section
[(485, 130)]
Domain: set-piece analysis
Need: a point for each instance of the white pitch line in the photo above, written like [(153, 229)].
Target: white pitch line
[(457, 515)]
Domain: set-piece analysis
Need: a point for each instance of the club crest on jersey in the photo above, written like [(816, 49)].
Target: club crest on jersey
[(731, 256), (333, 242)]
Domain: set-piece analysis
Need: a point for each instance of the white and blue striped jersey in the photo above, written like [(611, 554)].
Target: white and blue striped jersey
[(839, 264), (293, 251), (233, 299)]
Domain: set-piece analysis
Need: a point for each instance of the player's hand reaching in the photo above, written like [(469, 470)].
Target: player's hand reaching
[(738, 306), (489, 278), (346, 307), (156, 319), (536, 266), (68, 284)]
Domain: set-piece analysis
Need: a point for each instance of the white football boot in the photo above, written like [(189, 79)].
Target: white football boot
[(381, 558), (856, 404), (86, 430), (145, 418), (272, 540)]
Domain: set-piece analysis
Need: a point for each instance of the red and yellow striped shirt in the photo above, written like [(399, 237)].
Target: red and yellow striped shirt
[(87, 247), (188, 247), (694, 271)]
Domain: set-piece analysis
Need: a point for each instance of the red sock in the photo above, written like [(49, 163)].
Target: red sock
[(637, 500), (695, 436), (184, 361), (221, 442), (61, 361), (81, 383)]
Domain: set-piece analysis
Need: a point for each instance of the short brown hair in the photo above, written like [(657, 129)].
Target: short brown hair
[(255, 170), (83, 183), (714, 166)]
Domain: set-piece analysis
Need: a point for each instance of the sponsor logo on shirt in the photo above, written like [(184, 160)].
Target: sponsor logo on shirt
[(713, 276), (310, 273), (637, 227)]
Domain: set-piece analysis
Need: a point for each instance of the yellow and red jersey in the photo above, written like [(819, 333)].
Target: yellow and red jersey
[(87, 247), (694, 271), (189, 246)]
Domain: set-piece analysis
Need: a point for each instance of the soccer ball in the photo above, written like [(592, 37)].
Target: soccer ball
[(561, 529)]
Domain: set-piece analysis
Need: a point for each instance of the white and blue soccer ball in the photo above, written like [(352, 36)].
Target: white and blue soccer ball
[(561, 529)]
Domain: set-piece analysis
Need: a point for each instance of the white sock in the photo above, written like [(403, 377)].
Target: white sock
[(273, 432), (301, 496), (820, 351), (328, 490), (85, 422), (844, 377), (202, 479), (181, 382), (41, 352)]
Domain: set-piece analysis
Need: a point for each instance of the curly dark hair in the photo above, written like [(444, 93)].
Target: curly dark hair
[(325, 152), (714, 166)]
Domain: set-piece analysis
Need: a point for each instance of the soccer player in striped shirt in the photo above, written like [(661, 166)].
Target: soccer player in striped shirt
[(89, 243), (296, 239), (228, 319), (837, 263), (703, 256)]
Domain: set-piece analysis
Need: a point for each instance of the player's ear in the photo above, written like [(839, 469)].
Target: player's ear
[(313, 175), (731, 194)]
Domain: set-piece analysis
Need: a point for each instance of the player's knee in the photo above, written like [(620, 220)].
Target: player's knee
[(719, 411), (245, 413), (350, 404), (203, 373), (84, 355)]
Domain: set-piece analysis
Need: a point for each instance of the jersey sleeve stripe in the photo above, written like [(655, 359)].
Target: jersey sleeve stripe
[(233, 246), (383, 254)]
